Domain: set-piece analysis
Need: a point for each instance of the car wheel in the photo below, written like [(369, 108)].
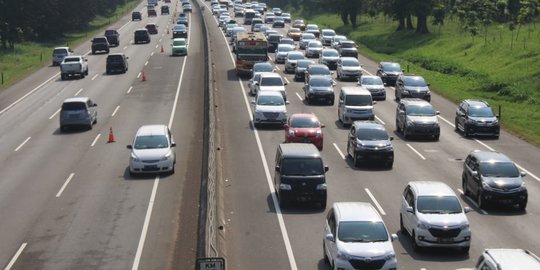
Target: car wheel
[(522, 206), (107, 72), (324, 253), (82, 75), (466, 131), (389, 164), (282, 203), (63, 128), (401, 227), (398, 129), (466, 191), (480, 200), (436, 137), (456, 127), (405, 133), (87, 71), (356, 160), (331, 101), (415, 245), (465, 250), (62, 77), (323, 204), (132, 174)]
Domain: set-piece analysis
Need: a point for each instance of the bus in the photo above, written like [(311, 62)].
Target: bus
[(251, 48)]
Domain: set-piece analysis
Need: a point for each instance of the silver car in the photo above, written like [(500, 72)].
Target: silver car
[(349, 68), (374, 84), (292, 59), (152, 150), (314, 49), (269, 108), (78, 111)]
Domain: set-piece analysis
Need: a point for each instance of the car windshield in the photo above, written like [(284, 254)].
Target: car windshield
[(302, 166), (362, 231), (315, 45), (308, 36), (267, 67), (338, 38), (295, 30), (71, 59), (350, 63), (304, 122), (371, 134), (286, 41), (328, 33), (391, 67), (270, 101), (358, 100), (420, 110), (73, 106), (304, 64), (151, 142), (320, 82), (179, 43), (372, 81), (285, 48), (295, 56), (480, 112), (272, 81), (179, 28), (322, 70), (498, 169), (330, 53), (312, 27), (347, 45), (438, 205), (415, 81)]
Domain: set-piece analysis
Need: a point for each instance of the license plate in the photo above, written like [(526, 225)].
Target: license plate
[(150, 167), (446, 240)]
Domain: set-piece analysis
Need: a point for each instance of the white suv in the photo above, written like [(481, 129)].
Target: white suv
[(506, 259), (356, 238), (269, 108), (271, 81), (432, 214)]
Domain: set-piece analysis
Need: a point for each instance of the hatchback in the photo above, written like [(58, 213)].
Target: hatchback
[(152, 150), (304, 128), (78, 111)]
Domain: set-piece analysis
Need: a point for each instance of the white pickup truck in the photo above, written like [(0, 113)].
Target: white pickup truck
[(73, 65)]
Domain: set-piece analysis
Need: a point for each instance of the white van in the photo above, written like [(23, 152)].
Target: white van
[(355, 103)]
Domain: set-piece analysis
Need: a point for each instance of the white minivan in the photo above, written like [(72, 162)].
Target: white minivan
[(355, 103)]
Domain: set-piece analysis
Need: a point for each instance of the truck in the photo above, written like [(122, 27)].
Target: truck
[(73, 65), (250, 48)]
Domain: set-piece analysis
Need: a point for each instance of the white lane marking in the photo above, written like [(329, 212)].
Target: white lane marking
[(270, 57), (146, 64), (418, 153), (375, 202), (278, 68), (129, 89), (471, 201), (115, 110), (364, 70), (80, 90), (29, 93), (95, 76), (145, 225), (339, 151), (125, 47), (65, 185), (286, 80), (157, 46), (54, 114), (160, 39), (485, 145), (16, 256), (380, 120), (299, 97), (21, 145), (152, 54), (95, 140), (448, 122), (139, 75)]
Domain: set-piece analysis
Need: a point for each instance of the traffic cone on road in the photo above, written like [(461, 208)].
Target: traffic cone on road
[(111, 136), (162, 51), (143, 77)]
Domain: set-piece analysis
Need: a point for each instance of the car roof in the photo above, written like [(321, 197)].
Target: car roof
[(152, 130), (415, 102), (357, 90), (431, 188), (270, 74), (76, 99), (476, 103), (513, 258), (356, 211), (368, 125), (299, 150), (490, 156)]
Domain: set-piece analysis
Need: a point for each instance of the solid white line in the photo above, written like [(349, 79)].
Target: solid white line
[(125, 48), (157, 46), (448, 122), (21, 145), (145, 64), (375, 201), (145, 225), (54, 114), (364, 70), (129, 89), (485, 145), (29, 93), (270, 57), (277, 67), (299, 97), (65, 185), (139, 75), (115, 110), (286, 80), (160, 39), (339, 151), (95, 76), (95, 140), (380, 120), (152, 54), (418, 153), (16, 256), (78, 92)]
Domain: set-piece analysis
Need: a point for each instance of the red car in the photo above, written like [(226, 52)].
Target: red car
[(299, 24), (304, 128)]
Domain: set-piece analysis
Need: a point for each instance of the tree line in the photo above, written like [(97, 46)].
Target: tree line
[(46, 20)]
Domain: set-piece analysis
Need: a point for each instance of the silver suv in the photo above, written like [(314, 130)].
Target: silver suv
[(433, 216), (507, 259), (416, 117), (269, 108), (78, 111)]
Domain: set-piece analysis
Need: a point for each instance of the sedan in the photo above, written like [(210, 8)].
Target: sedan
[(294, 33), (375, 85), (314, 49), (152, 150), (292, 59), (304, 128), (319, 88)]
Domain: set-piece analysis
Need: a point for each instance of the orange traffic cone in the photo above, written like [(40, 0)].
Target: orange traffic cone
[(111, 136), (162, 49), (143, 77)]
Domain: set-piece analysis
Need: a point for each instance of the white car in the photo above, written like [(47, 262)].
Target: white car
[(355, 237), (329, 57), (326, 36), (314, 49), (269, 108), (271, 81), (292, 59), (432, 215), (335, 41), (152, 150), (349, 68), (282, 51)]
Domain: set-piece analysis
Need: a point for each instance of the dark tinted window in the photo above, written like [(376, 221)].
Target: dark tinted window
[(358, 100), (304, 122), (362, 231), (372, 80), (110, 32), (295, 56), (302, 166), (498, 169), (149, 142), (330, 53), (391, 67), (115, 58), (73, 106), (480, 112), (266, 67), (320, 82), (347, 45), (304, 64), (413, 110), (372, 134), (270, 100), (319, 70), (272, 81), (438, 204), (414, 81)]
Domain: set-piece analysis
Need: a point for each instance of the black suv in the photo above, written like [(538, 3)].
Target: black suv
[(416, 116), (113, 37), (389, 71), (136, 15), (273, 41), (164, 10), (493, 177), (141, 36), (412, 86), (475, 117), (117, 62), (369, 141), (320, 88), (100, 44)]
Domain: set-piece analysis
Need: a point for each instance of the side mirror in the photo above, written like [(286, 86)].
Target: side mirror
[(402, 70), (85, 60), (374, 102), (95, 105), (523, 174), (391, 138), (340, 102), (129, 146), (330, 237), (173, 144), (323, 125), (410, 209), (326, 168), (287, 102), (127, 57), (428, 84), (467, 209), (401, 112), (331, 73), (286, 126), (437, 112), (285, 83), (394, 236), (252, 101), (277, 168)]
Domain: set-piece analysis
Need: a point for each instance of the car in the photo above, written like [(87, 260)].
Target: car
[(492, 177), (389, 72), (179, 46), (412, 86), (113, 37), (416, 116), (288, 41), (59, 53), (278, 22), (256, 27), (229, 27), (304, 128), (292, 59), (151, 10), (335, 41), (223, 19), (375, 85), (305, 38), (141, 36), (475, 117), (269, 18), (182, 20), (433, 216), (328, 57), (152, 150), (369, 142), (269, 32), (78, 111), (299, 24), (314, 49), (234, 35), (277, 11), (326, 36), (348, 68), (100, 44), (239, 13), (355, 103), (271, 81), (116, 62), (262, 67), (294, 33), (319, 88), (313, 29), (355, 237), (281, 52), (152, 28), (286, 17), (269, 108), (347, 48), (136, 15), (164, 10), (273, 41), (317, 69), (506, 259), (179, 31), (252, 83), (264, 28), (187, 8), (74, 65), (300, 69)]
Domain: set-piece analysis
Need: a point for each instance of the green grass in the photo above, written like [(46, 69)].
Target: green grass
[(459, 67), (27, 57)]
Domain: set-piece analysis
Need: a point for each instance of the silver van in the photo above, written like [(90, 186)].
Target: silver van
[(355, 103), (78, 111)]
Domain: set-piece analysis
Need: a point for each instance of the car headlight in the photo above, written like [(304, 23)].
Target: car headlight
[(319, 133), (321, 186), (423, 225), (167, 156), (291, 132), (390, 256), (134, 158), (495, 121), (343, 256), (486, 186), (285, 187), (523, 186), (410, 123), (464, 226)]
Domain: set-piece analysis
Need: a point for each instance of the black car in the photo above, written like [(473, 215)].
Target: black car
[(319, 88), (116, 63), (152, 28), (412, 86), (389, 72), (475, 117), (113, 37), (278, 23), (317, 69), (273, 41), (141, 36), (135, 15), (100, 44), (491, 177), (416, 116), (369, 142), (300, 69), (164, 10)]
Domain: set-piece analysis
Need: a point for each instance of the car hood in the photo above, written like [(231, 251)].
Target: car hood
[(417, 88), (423, 119), (270, 108), (442, 220), (305, 132), (321, 89), (484, 119), (375, 144), (149, 154), (503, 182), (272, 88), (373, 87), (330, 58), (363, 250), (350, 68)]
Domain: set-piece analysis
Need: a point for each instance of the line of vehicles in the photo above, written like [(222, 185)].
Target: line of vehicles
[(355, 236)]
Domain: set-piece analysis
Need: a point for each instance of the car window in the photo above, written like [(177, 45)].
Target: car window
[(304, 122), (372, 134), (303, 64), (391, 67), (347, 45), (272, 81), (413, 110), (73, 106), (319, 70), (71, 59), (315, 45), (270, 100), (371, 81), (350, 63), (362, 231), (263, 68), (295, 56), (320, 82), (414, 81), (330, 53), (302, 166), (151, 142), (358, 100), (285, 48), (179, 42), (438, 205), (332, 221), (480, 112), (498, 169)]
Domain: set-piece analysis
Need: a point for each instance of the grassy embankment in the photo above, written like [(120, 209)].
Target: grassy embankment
[(459, 67), (30, 56)]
